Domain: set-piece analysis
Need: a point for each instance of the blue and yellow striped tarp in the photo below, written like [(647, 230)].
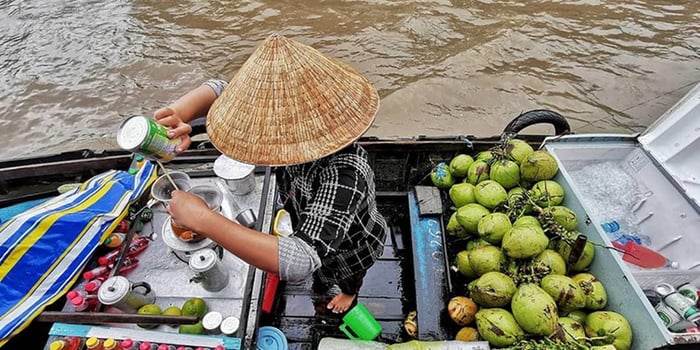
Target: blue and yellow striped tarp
[(44, 249)]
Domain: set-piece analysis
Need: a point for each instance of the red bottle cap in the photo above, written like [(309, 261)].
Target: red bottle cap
[(145, 346), (71, 295), (77, 300), (92, 286), (102, 261), (127, 343), (88, 275)]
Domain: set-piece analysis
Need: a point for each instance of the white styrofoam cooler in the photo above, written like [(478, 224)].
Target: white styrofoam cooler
[(664, 164)]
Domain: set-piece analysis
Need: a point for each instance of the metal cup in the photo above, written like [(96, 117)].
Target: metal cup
[(246, 218)]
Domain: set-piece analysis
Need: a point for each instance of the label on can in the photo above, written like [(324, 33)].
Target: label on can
[(683, 305), (144, 135), (667, 315), (689, 291)]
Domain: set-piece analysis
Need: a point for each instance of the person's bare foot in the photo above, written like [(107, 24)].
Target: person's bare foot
[(341, 303)]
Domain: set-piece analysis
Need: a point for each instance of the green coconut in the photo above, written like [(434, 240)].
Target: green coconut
[(572, 330), (478, 171), (476, 243), (492, 289), (596, 295), (552, 259), (538, 166), (534, 310), (522, 242), (486, 259), (493, 226), (547, 193), (462, 193), (498, 327), (459, 165), (584, 260), (486, 156), (518, 150), (527, 220), (577, 315), (563, 216), (454, 228), (611, 326), (490, 193), (517, 199), (505, 172), (441, 176), (469, 215), (565, 291), (463, 265)]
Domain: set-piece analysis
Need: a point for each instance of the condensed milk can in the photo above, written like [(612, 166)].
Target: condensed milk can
[(684, 306), (210, 272), (144, 135)]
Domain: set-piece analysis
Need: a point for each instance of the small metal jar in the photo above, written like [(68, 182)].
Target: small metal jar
[(210, 272)]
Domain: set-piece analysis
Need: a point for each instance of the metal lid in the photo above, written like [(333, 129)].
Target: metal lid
[(203, 260), (672, 141), (271, 338), (230, 325), (231, 169), (212, 320), (113, 290), (132, 132)]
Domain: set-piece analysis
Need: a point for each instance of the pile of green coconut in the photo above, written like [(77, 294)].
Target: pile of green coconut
[(524, 262)]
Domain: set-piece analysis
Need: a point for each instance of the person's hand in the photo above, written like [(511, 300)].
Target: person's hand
[(169, 117), (188, 211)]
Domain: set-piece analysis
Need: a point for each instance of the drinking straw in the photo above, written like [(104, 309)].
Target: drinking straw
[(168, 175)]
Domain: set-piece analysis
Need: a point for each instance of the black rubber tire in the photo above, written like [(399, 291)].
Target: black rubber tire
[(538, 116)]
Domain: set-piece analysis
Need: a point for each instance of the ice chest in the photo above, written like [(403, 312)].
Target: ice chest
[(653, 180)]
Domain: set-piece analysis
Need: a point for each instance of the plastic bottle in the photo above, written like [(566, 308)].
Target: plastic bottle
[(128, 344), (67, 343), (93, 343), (624, 230), (136, 247), (111, 344), (74, 293), (93, 286), (100, 271), (147, 346), (80, 304), (115, 239)]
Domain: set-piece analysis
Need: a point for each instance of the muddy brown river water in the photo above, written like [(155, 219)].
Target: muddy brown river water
[(71, 71)]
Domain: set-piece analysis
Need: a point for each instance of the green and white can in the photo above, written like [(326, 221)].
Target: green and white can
[(144, 135)]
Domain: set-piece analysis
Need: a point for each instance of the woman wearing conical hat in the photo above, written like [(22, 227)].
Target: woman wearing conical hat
[(291, 107)]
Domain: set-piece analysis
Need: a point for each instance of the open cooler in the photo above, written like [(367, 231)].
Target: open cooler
[(648, 184)]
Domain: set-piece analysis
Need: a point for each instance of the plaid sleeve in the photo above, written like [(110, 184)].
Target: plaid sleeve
[(217, 85), (329, 215)]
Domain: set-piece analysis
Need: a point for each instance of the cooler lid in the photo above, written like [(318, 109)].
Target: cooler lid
[(673, 141)]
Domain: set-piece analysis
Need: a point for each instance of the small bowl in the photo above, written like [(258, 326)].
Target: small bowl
[(162, 189)]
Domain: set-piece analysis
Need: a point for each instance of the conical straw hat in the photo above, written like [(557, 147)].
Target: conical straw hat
[(290, 104)]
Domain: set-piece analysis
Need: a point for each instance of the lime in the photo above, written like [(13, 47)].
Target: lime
[(194, 307), (196, 328), (149, 309)]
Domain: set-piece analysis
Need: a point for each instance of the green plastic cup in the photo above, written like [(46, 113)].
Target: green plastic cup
[(359, 324)]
